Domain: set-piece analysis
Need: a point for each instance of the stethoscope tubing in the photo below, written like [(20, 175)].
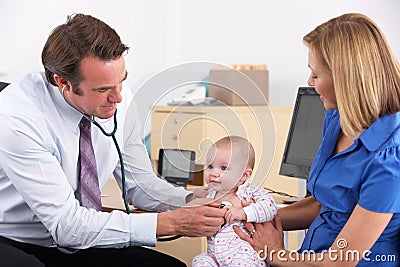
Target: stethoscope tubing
[(121, 160), (112, 134)]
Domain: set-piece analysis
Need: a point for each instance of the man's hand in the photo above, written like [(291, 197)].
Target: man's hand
[(191, 221)]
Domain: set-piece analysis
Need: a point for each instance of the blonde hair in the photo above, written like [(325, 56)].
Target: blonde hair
[(242, 144), (365, 73)]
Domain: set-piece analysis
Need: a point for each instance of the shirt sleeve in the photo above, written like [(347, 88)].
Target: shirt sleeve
[(263, 209), (381, 183)]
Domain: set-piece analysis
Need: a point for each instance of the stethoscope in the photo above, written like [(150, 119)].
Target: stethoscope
[(121, 160), (112, 134)]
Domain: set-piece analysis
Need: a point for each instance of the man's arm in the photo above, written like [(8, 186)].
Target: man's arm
[(51, 207)]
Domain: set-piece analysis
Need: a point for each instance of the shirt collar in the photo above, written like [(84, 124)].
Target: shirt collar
[(380, 131), (70, 115)]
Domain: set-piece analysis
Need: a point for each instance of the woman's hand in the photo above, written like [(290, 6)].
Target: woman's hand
[(264, 237)]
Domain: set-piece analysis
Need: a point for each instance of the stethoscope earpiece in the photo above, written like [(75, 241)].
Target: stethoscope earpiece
[(63, 89)]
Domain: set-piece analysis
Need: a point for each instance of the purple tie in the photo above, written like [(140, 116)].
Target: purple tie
[(89, 182)]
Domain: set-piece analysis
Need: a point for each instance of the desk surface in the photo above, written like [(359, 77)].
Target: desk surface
[(111, 197)]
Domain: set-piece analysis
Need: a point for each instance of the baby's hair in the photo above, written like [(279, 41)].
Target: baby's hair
[(242, 143)]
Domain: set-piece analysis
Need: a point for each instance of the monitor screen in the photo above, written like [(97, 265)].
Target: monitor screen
[(305, 134), (176, 165), (3, 85)]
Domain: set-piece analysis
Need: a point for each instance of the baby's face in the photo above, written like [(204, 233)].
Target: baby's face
[(224, 168)]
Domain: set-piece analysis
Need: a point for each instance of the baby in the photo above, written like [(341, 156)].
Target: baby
[(230, 163)]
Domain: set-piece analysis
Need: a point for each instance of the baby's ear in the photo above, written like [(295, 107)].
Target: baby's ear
[(246, 175)]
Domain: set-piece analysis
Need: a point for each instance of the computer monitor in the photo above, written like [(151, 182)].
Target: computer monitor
[(3, 85), (305, 134), (176, 165)]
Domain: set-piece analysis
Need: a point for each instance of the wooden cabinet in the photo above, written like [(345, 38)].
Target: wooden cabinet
[(184, 248), (197, 128)]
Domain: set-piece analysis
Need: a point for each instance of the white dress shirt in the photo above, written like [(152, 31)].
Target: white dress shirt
[(39, 148)]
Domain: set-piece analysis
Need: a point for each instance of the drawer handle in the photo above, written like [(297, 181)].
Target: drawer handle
[(174, 137), (176, 121)]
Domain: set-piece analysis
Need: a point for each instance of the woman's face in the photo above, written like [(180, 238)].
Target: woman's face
[(322, 81)]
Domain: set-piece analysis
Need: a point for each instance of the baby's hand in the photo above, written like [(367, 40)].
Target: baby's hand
[(235, 213)]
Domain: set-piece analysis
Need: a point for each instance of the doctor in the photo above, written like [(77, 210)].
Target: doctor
[(43, 210)]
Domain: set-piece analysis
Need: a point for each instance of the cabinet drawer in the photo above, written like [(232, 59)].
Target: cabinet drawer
[(176, 130), (197, 131)]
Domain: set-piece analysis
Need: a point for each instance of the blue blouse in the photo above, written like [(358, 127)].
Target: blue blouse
[(368, 174)]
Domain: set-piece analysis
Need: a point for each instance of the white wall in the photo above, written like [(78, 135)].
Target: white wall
[(164, 33)]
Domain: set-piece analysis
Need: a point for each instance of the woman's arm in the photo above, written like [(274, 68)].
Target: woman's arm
[(357, 236), (361, 231), (299, 215)]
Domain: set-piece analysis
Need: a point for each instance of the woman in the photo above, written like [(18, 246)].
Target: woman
[(353, 215)]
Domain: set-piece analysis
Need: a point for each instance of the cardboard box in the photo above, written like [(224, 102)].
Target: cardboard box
[(239, 87)]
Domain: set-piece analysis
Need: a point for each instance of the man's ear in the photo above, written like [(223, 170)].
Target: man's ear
[(61, 82)]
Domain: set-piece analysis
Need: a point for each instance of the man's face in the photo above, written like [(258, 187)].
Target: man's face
[(100, 88)]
